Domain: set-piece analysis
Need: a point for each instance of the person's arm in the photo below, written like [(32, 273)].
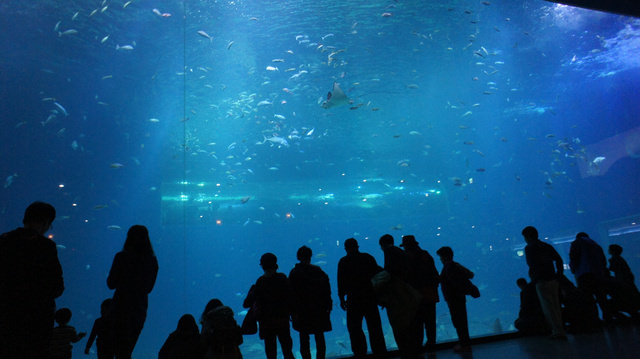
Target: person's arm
[(92, 337), (558, 262), (54, 270), (115, 273), (342, 290)]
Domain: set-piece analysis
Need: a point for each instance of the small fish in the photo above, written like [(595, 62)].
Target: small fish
[(205, 35), (104, 39), (57, 27), (127, 4), (114, 227), (245, 199), (154, 120), (9, 180), (279, 117), (264, 103), (157, 12), (124, 47), (229, 45), (468, 113), (75, 16), (62, 109), (598, 160), (272, 68), (116, 165), (67, 32)]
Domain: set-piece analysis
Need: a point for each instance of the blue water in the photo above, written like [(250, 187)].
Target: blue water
[(468, 122)]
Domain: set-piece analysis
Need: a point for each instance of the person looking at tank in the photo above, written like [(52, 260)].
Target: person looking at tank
[(133, 276), (273, 299), (423, 276), (64, 335), (102, 332), (312, 303), (453, 277), (30, 281), (184, 342), (358, 299), (545, 267), (589, 265), (221, 335)]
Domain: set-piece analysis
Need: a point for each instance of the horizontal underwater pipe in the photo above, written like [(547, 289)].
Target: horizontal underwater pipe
[(622, 7)]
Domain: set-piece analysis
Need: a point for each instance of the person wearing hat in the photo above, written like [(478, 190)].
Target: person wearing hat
[(273, 298), (358, 299), (423, 277)]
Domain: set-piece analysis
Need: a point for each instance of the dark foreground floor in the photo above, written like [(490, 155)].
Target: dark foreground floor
[(615, 342)]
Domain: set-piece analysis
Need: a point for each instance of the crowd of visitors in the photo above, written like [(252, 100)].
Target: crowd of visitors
[(406, 286)]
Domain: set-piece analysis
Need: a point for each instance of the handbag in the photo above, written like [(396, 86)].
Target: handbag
[(250, 322)]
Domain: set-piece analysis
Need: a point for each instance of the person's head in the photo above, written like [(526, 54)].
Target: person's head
[(211, 305), (187, 325), (582, 235), (386, 241), (351, 245), (63, 316), (521, 282), (39, 216), (304, 254), (530, 233), (106, 307), (138, 241), (409, 242), (615, 250), (269, 261), (445, 254)]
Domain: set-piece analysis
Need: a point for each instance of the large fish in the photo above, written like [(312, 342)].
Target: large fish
[(336, 97)]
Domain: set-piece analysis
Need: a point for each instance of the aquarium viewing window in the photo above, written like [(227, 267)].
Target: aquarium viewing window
[(235, 128)]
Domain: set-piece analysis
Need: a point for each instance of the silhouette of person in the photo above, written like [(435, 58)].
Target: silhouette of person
[(452, 279), (184, 342), (624, 293), (619, 267), (589, 265), (545, 266), (423, 277), (132, 275), (312, 303), (530, 318), (398, 297), (579, 311), (357, 298), (30, 280), (63, 336), (273, 298), (103, 332), (221, 335)]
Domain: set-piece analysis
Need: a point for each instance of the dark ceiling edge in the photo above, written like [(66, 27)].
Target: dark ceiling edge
[(622, 7)]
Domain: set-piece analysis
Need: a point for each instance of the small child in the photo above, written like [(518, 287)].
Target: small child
[(102, 329), (63, 336)]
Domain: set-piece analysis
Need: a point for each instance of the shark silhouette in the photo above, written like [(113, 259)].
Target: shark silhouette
[(336, 97)]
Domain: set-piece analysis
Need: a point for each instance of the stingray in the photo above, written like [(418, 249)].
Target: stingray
[(336, 97)]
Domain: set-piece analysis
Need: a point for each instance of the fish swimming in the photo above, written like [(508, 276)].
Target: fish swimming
[(336, 97)]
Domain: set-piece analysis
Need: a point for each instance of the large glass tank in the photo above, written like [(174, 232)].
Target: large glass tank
[(208, 121)]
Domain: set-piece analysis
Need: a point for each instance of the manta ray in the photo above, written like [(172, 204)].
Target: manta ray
[(336, 97)]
